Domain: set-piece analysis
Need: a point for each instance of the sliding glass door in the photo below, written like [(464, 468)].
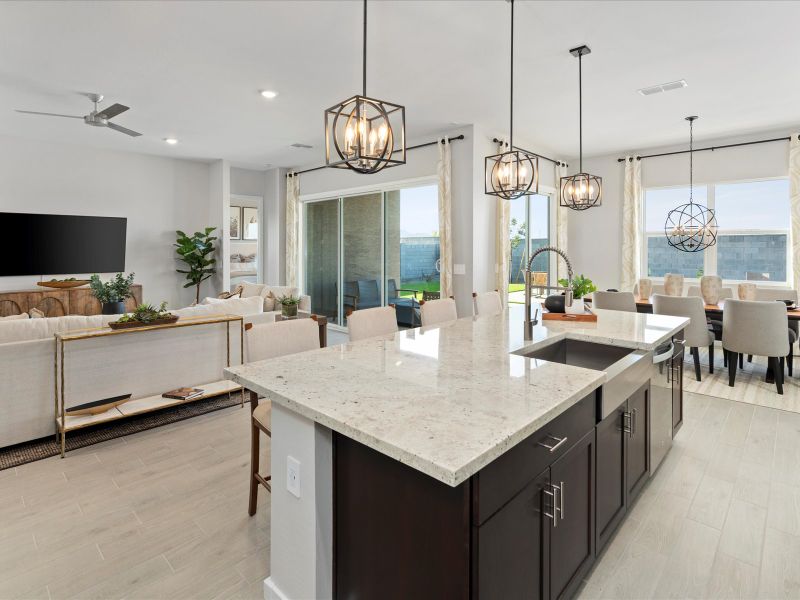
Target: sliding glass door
[(529, 230), (362, 252), (321, 257)]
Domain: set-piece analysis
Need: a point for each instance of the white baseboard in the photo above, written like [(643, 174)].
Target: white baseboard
[(272, 591)]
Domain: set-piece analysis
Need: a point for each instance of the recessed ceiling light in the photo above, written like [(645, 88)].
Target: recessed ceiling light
[(171, 141), (268, 94)]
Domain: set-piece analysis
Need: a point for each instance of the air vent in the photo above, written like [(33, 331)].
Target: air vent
[(664, 87), (299, 145)]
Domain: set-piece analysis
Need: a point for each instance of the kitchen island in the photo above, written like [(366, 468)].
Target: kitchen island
[(448, 462)]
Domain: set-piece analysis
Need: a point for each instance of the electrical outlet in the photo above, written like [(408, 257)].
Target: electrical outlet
[(293, 476)]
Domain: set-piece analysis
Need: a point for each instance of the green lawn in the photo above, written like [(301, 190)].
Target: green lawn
[(433, 286)]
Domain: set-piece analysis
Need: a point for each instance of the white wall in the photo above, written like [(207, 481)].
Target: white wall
[(157, 195), (595, 235)]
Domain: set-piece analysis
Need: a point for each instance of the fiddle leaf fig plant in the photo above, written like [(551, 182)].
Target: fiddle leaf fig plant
[(197, 251), (581, 286)]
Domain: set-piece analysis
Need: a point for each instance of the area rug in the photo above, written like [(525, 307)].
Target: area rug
[(14, 456), (749, 386)]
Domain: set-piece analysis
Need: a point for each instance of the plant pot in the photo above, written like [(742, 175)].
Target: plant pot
[(673, 284), (645, 289), (554, 304), (577, 307), (289, 310), (113, 308)]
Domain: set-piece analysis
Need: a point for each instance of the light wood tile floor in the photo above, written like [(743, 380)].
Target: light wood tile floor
[(163, 514), (721, 517)]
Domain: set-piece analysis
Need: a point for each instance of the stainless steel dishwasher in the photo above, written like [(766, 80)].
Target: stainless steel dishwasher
[(662, 380)]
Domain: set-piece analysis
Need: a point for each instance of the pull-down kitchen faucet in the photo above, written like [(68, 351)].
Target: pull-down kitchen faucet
[(567, 290)]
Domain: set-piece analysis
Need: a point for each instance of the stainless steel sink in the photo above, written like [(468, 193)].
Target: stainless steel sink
[(626, 369)]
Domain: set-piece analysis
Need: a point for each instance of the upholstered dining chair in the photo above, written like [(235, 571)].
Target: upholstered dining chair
[(696, 334), (371, 322), (434, 312), (624, 301), (487, 303), (265, 341), (781, 295), (724, 293), (759, 328)]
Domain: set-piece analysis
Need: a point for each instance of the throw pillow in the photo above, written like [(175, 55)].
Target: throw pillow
[(253, 289), (269, 303), (35, 313), (277, 290)]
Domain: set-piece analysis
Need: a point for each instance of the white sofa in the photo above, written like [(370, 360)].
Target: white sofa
[(141, 364), (271, 293)]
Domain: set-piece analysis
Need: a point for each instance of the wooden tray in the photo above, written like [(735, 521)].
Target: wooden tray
[(135, 324), (98, 406), (62, 285), (567, 317)]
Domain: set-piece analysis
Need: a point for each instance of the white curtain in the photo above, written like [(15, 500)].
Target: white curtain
[(292, 227), (444, 171), (631, 223), (562, 221), (794, 194)]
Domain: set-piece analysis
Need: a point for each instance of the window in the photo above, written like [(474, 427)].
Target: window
[(529, 229), (752, 239), (370, 249)]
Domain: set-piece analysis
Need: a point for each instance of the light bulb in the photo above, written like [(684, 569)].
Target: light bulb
[(383, 133), (373, 138)]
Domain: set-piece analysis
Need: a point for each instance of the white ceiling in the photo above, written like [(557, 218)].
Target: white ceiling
[(193, 70)]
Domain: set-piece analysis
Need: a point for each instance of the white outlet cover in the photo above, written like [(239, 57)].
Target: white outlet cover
[(293, 476)]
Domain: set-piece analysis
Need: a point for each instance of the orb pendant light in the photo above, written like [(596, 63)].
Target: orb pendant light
[(514, 173), (365, 134), (691, 227), (582, 190)]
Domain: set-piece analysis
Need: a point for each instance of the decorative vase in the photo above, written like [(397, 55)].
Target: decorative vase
[(577, 307), (113, 308), (645, 289), (554, 304), (711, 288), (747, 291), (289, 310), (673, 284)]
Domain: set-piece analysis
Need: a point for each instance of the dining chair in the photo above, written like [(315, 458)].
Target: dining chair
[(434, 312), (487, 303), (266, 341), (758, 328), (369, 295), (724, 293), (372, 322), (614, 301), (696, 334), (781, 294)]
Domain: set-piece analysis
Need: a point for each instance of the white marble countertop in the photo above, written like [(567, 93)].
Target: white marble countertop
[(447, 400)]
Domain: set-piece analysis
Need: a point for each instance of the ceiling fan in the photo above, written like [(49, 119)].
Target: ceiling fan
[(96, 118)]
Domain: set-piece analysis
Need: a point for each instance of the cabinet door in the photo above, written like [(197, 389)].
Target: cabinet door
[(512, 558), (677, 393), (572, 536), (610, 465), (638, 455)]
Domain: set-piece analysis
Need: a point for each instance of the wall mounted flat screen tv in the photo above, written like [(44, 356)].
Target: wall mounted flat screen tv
[(32, 244)]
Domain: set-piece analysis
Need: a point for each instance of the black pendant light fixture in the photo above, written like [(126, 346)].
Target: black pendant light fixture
[(514, 173), (582, 190), (691, 227), (361, 132)]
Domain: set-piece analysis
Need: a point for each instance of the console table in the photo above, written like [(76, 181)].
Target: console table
[(65, 423), (60, 302)]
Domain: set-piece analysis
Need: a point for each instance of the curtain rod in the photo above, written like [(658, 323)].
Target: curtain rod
[(555, 162), (712, 148), (452, 139)]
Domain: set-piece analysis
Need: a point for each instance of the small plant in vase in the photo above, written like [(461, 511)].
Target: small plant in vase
[(145, 314), (112, 294), (289, 305), (581, 287)]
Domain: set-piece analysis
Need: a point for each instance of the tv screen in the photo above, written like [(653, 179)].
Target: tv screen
[(33, 244)]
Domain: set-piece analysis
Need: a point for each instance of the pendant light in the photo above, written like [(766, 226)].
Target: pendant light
[(514, 173), (582, 190), (361, 132), (691, 227)]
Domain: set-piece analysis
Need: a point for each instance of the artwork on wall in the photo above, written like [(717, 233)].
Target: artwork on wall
[(249, 223), (236, 223)]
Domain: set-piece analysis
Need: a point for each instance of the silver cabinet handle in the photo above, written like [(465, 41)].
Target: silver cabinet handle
[(634, 412), (554, 496), (553, 447), (627, 423), (561, 499)]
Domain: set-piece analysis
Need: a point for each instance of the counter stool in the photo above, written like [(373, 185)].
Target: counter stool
[(259, 421)]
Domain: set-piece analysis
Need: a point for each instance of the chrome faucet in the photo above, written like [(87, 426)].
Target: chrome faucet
[(528, 285)]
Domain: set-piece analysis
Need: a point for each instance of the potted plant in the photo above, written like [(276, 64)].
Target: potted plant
[(581, 286), (197, 252), (112, 294), (289, 306), (145, 314)]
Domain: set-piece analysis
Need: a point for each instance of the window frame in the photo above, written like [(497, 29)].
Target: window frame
[(710, 254)]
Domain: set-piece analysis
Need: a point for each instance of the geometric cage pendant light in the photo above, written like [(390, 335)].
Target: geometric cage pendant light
[(361, 132), (514, 173), (691, 227), (582, 190)]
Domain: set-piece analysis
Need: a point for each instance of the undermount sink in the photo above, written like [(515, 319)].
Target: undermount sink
[(588, 355)]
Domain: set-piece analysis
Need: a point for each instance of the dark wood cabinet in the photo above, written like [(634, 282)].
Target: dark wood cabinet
[(60, 302), (638, 451), (611, 485), (572, 537), (676, 376)]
